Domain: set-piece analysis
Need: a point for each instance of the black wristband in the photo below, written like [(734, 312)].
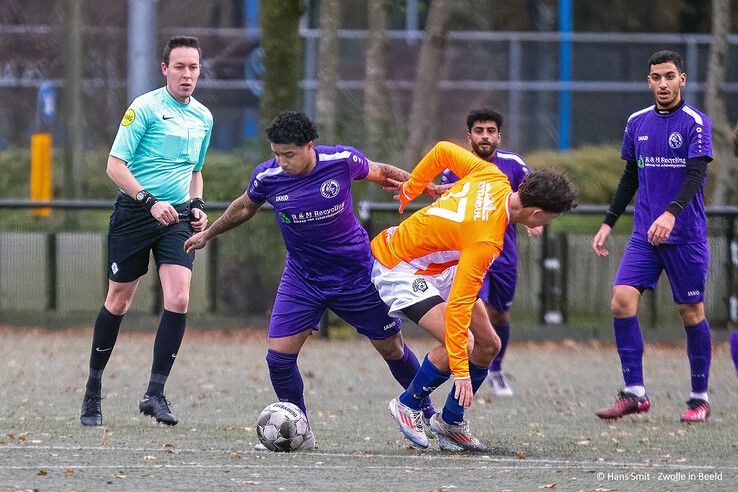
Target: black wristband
[(197, 203), (146, 199)]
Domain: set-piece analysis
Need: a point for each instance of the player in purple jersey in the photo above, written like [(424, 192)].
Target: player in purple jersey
[(329, 260), (498, 289), (667, 147)]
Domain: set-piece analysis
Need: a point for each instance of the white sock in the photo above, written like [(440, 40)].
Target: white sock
[(638, 391), (699, 396)]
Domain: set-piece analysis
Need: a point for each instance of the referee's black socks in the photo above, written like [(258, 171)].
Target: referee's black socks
[(104, 336), (168, 340)]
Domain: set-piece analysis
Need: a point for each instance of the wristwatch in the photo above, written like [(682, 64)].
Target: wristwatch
[(141, 196)]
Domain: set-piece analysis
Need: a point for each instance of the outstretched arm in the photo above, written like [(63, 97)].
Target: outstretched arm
[(387, 176), (239, 211), (390, 178)]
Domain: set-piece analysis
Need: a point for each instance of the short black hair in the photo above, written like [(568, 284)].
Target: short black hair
[(292, 127), (484, 114), (666, 56), (548, 189), (180, 42)]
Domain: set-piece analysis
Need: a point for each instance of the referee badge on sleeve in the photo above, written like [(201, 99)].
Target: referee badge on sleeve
[(128, 117)]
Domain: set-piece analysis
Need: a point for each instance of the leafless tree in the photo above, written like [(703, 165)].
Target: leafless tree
[(376, 73), (282, 46), (425, 94), (715, 101), (325, 104)]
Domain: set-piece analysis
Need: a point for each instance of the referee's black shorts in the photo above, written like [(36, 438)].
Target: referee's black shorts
[(134, 233)]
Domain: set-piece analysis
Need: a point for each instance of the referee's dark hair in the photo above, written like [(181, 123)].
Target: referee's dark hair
[(666, 56), (292, 127), (548, 189), (180, 42), (484, 114)]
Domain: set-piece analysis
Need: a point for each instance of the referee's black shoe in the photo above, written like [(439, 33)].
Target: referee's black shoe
[(91, 415), (157, 406)]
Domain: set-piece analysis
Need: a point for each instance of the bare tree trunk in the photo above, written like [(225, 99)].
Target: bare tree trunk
[(325, 104), (282, 46), (376, 74), (715, 101), (425, 95)]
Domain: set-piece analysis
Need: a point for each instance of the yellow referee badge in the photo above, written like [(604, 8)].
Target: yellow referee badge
[(128, 117)]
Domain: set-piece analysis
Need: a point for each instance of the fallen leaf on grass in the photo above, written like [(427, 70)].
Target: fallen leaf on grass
[(520, 455), (169, 448), (585, 442), (105, 437), (69, 471), (41, 473), (548, 486), (149, 457)]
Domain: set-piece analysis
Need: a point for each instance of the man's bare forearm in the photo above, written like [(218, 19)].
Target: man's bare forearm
[(380, 173), (239, 211)]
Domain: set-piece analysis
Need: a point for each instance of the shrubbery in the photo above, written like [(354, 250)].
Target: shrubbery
[(595, 170)]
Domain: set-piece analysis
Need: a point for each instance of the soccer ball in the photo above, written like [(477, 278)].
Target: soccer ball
[(282, 427)]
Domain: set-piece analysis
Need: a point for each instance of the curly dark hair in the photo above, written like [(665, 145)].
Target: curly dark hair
[(548, 189), (484, 114), (666, 56), (292, 127), (180, 42)]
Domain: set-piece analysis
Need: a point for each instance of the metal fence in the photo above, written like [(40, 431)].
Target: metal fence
[(517, 72), (57, 265), (562, 281)]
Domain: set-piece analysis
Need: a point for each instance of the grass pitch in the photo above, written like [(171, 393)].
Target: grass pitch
[(545, 437)]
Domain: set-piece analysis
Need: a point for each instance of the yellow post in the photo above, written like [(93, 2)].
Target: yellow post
[(41, 144)]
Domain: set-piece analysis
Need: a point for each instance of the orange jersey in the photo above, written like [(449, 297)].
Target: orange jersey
[(464, 227)]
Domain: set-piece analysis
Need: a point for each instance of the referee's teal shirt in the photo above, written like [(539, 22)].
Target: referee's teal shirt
[(163, 141)]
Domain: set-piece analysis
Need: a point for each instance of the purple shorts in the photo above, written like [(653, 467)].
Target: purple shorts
[(299, 306), (498, 289), (685, 265)]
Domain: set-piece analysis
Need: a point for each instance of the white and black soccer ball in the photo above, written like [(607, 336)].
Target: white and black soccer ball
[(282, 427)]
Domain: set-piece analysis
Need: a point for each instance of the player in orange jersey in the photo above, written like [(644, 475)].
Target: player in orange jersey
[(431, 267)]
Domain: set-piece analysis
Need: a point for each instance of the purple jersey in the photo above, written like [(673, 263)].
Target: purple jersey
[(325, 243), (661, 144), (515, 169)]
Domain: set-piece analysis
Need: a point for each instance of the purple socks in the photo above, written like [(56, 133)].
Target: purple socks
[(699, 349), (629, 340)]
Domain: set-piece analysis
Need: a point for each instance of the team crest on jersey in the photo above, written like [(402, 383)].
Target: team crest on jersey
[(675, 140), (330, 188), (419, 285)]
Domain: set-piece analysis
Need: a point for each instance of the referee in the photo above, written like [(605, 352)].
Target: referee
[(156, 161)]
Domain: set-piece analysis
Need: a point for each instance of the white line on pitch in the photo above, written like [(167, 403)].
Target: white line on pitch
[(465, 457)]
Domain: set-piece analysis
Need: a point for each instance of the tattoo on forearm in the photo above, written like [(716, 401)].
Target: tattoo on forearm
[(392, 172)]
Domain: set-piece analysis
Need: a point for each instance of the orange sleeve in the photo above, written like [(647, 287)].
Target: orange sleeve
[(443, 155), (473, 264)]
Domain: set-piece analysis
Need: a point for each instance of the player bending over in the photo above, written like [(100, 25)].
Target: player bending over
[(430, 269), (328, 262), (498, 289)]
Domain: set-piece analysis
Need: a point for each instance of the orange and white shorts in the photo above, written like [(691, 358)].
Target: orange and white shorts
[(400, 287)]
